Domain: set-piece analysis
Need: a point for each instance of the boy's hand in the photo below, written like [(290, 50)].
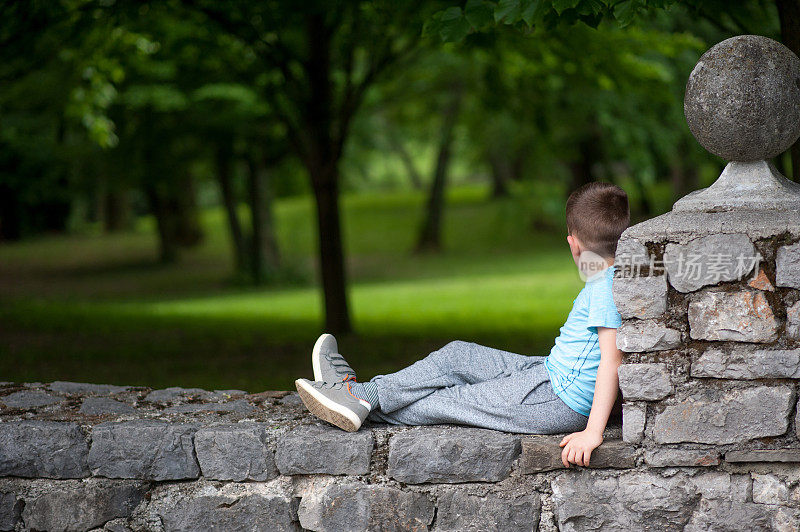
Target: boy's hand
[(579, 446)]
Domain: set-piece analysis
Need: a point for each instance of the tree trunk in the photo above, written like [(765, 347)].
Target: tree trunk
[(189, 231), (264, 253), (154, 190), (501, 174), (430, 235), (518, 166), (224, 156), (168, 246), (588, 155), (789, 15), (323, 150), (10, 214), (334, 282), (116, 211), (407, 160)]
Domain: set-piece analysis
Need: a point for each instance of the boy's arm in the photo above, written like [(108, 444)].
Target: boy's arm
[(607, 384), (579, 445)]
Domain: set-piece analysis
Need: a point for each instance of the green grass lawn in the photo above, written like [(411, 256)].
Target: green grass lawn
[(99, 308)]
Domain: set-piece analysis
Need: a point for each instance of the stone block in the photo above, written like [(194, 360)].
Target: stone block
[(310, 449), (86, 388), (640, 297), (785, 518), (175, 393), (797, 420), (143, 449), (764, 455), (726, 417), (584, 500), (637, 336), (769, 489), (665, 457), (293, 399), (357, 507), (10, 510), (647, 381), (787, 266), (793, 321), (235, 452), (743, 316), (98, 406), (633, 420), (451, 455), (613, 454), (642, 500), (231, 392), (120, 524), (714, 484), (231, 507), (631, 254), (748, 364), (681, 227), (240, 406), (50, 449), (82, 505), (709, 260), (459, 511), (29, 399), (543, 453), (716, 514)]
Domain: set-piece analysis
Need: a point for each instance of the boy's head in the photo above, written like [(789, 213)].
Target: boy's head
[(597, 214)]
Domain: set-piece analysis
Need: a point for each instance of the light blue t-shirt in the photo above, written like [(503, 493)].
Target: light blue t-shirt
[(573, 361)]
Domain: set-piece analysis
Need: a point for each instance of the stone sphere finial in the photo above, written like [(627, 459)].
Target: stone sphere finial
[(742, 99)]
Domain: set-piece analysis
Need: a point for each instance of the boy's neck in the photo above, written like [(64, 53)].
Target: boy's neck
[(597, 274)]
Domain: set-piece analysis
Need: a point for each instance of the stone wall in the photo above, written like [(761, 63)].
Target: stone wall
[(713, 359), (93, 457)]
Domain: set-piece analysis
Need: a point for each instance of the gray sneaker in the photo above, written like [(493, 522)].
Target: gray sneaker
[(329, 365), (333, 402)]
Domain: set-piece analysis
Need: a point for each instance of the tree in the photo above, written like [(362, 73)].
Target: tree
[(191, 95), (454, 23), (320, 58), (430, 238), (49, 96)]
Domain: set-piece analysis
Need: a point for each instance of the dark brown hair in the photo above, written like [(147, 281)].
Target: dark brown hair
[(597, 213)]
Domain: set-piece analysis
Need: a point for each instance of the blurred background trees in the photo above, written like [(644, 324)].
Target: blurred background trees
[(152, 152)]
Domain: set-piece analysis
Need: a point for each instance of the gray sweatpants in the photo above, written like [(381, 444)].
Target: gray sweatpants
[(470, 384)]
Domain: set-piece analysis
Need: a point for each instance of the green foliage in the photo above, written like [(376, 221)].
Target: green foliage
[(455, 23), (534, 102)]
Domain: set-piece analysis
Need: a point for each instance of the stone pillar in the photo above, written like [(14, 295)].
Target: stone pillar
[(710, 292)]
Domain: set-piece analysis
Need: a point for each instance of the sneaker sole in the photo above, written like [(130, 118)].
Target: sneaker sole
[(315, 357), (326, 409)]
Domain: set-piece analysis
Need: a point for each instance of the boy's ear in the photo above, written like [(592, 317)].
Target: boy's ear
[(574, 243), (575, 247)]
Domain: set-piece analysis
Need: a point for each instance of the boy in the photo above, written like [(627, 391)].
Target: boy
[(571, 389)]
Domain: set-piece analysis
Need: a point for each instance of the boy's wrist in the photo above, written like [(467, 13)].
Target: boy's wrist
[(595, 430)]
